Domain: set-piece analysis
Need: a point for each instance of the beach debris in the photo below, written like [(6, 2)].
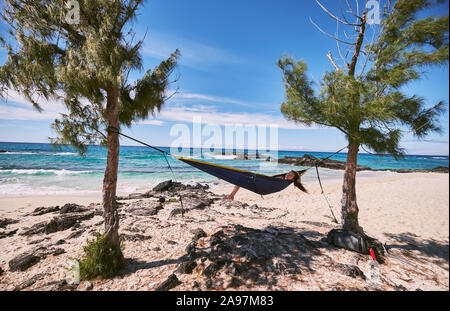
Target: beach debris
[(85, 286), (7, 221), (170, 242), (30, 282), (350, 270), (23, 261), (1, 271), (171, 282)]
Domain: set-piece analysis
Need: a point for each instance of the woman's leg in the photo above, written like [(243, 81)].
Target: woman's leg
[(232, 194)]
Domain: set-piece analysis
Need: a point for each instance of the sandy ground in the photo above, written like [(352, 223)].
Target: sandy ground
[(407, 212)]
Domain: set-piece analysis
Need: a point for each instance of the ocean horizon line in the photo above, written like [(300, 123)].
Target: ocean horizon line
[(235, 149)]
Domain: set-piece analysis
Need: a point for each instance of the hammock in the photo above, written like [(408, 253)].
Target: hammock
[(258, 183)]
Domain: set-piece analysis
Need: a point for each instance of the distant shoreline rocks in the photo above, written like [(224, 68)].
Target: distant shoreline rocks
[(310, 160)]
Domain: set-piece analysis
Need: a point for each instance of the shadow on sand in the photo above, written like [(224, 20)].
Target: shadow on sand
[(248, 255), (407, 242)]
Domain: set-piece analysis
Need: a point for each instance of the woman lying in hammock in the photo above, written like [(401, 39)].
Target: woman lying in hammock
[(292, 175)]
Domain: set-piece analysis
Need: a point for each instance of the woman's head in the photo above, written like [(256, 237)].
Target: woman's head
[(295, 177)]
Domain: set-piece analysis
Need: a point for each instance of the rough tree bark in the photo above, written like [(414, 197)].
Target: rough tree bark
[(349, 206), (110, 179)]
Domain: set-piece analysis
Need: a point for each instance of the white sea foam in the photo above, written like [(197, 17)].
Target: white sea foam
[(21, 189), (44, 172), (220, 156), (40, 153)]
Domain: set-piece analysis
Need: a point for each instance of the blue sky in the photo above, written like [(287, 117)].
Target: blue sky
[(228, 72)]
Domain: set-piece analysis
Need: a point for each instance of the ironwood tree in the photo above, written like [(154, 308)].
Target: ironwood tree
[(84, 64), (364, 96)]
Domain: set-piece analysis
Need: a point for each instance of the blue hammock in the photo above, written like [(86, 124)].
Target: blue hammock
[(258, 183)]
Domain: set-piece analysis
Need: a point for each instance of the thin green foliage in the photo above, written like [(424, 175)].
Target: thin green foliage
[(101, 259)]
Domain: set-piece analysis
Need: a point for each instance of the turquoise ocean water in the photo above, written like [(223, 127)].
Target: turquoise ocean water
[(38, 169)]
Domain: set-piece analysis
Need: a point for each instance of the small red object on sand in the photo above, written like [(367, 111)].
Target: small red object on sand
[(372, 254)]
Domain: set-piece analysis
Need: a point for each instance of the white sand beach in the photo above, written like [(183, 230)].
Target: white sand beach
[(407, 212)]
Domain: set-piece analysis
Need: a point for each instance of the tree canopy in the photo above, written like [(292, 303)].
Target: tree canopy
[(78, 64), (370, 107)]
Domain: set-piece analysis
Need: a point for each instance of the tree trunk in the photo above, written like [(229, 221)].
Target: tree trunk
[(110, 179), (349, 206)]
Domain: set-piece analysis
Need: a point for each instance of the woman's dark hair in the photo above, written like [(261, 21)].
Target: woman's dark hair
[(297, 182)]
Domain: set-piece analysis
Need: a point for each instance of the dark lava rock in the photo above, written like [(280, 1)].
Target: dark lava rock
[(235, 282), (135, 237), (72, 208), (7, 233), (350, 270), (65, 222), (198, 234), (212, 268), (172, 242), (1, 271), (162, 200), (75, 234), (171, 282), (36, 241), (58, 251), (186, 267), (191, 247), (29, 282), (7, 221), (44, 210), (310, 160), (190, 204), (217, 238), (144, 208), (165, 185), (60, 242), (440, 169), (35, 229), (23, 261)]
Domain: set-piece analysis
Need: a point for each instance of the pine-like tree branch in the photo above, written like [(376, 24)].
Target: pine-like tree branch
[(334, 17)]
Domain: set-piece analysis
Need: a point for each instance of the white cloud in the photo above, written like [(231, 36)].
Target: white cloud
[(24, 110), (193, 54), (173, 111)]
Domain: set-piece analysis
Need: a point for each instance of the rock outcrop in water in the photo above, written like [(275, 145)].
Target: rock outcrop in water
[(308, 160)]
